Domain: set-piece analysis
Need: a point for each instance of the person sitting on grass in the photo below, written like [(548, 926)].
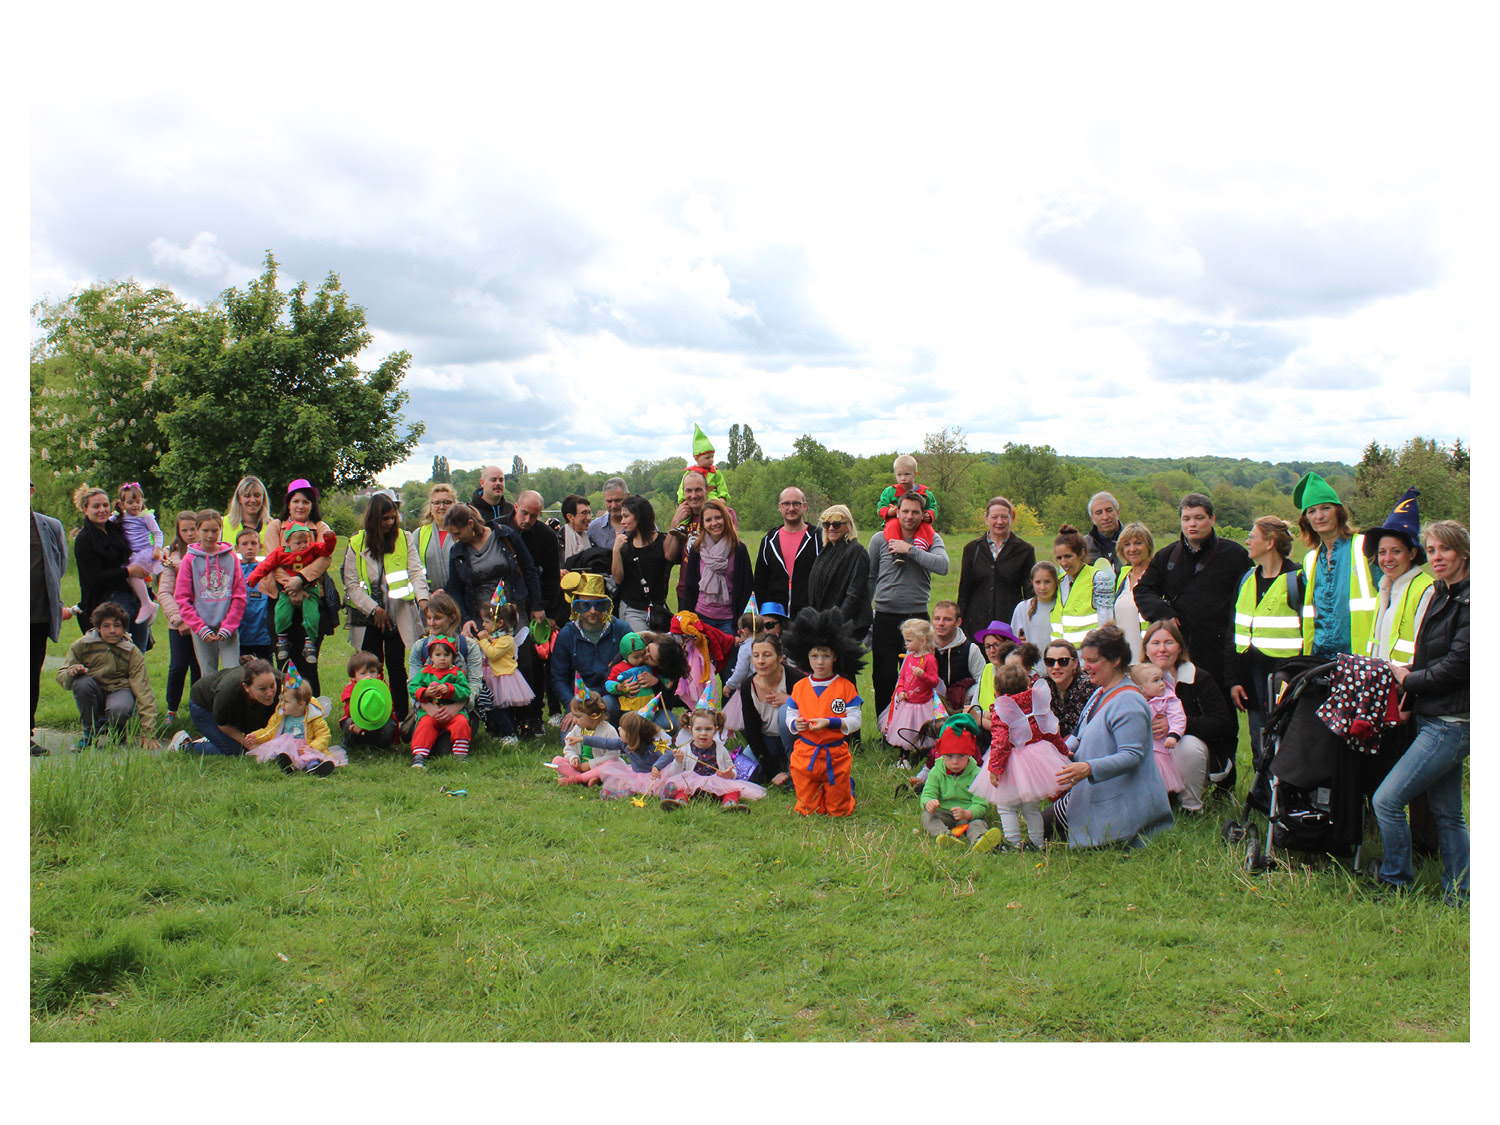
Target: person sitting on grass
[(628, 764), (107, 675), (701, 763), (575, 764), (438, 683), (950, 810), (297, 736), (364, 666)]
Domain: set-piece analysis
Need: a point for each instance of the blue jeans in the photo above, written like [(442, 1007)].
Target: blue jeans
[(218, 741), (1433, 764)]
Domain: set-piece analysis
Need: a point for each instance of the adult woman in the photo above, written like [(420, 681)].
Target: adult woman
[(301, 506), (482, 557), (1207, 749), (1436, 687), (248, 507), (1267, 621), (1405, 589), (1125, 800), (763, 709), (104, 566), (1070, 691), (386, 590), (994, 573), (228, 706), (444, 619), (998, 642), (840, 575), (433, 538), (1085, 591), (1134, 549), (718, 578), (639, 566), (1338, 606)]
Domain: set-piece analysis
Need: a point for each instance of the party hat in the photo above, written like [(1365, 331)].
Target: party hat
[(709, 700), (654, 711), (580, 689)]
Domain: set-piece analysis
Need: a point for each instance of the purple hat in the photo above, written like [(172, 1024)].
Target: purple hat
[(996, 629), (301, 484)]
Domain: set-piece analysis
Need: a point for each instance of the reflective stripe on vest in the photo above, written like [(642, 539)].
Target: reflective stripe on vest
[(1270, 626), (1404, 637), (1073, 619), (397, 580), (1363, 597)]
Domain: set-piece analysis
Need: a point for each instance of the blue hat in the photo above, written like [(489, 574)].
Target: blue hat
[(1403, 523), (773, 609)]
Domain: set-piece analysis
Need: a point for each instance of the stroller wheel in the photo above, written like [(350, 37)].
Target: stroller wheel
[(1233, 832), (1252, 854)]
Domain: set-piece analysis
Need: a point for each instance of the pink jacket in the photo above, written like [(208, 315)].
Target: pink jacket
[(210, 589)]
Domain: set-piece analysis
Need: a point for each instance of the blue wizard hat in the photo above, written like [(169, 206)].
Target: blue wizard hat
[(1403, 523)]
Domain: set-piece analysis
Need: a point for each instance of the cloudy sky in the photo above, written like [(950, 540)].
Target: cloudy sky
[(1153, 233)]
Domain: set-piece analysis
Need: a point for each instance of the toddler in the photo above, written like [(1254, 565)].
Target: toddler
[(146, 542), (628, 764), (508, 688), (913, 702), (364, 666), (1164, 704), (577, 764), (300, 547), (297, 736), (951, 810), (1025, 753), (703, 462), (701, 763), (906, 482), (439, 682)]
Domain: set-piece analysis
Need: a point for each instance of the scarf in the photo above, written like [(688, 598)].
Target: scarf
[(713, 573)]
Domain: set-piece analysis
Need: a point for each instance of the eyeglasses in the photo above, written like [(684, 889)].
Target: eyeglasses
[(1056, 661), (442, 503), (829, 525), (792, 504)]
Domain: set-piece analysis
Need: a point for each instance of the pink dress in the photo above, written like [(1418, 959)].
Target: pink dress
[(1028, 762), (1169, 705), (690, 687), (293, 744), (901, 721), (697, 774)]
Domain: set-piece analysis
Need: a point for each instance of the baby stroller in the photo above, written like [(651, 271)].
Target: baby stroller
[(1309, 783)]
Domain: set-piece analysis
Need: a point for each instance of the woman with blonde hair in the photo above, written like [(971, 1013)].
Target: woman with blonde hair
[(250, 507), (433, 538), (1267, 621), (841, 573), (1133, 547)]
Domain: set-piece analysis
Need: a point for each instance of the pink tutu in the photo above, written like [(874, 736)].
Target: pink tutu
[(1030, 774), (298, 751), (690, 687), (618, 777), (509, 690), (695, 782), (1168, 769), (900, 722), (734, 714)]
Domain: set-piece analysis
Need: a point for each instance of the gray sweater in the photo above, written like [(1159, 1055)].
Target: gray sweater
[(904, 587)]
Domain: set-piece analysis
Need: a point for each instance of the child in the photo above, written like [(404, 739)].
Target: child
[(642, 745), (297, 736), (183, 659), (824, 710), (701, 763), (647, 660), (739, 659), (300, 547), (1025, 753), (255, 631), (930, 732), (912, 704), (1164, 704), (146, 541), (576, 764), (508, 688), (364, 666), (1032, 619), (703, 462), (906, 477), (437, 683), (107, 675), (951, 810), (210, 596)]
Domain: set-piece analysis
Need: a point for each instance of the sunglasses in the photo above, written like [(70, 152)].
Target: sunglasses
[(586, 605), (1056, 661), (829, 525)]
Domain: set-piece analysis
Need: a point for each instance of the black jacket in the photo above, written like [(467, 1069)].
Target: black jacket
[(522, 589), (102, 558), (771, 571), (1102, 546), (989, 589), (1199, 590), (541, 541), (1208, 715), (487, 512), (1438, 683), (840, 579)]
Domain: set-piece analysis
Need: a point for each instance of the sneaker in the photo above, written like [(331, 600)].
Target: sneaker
[(991, 840), (283, 650), (310, 653), (285, 762), (732, 803), (179, 740), (419, 762), (554, 720), (168, 719), (949, 840), (509, 740), (37, 749), (321, 769), (903, 764), (84, 742), (674, 798)]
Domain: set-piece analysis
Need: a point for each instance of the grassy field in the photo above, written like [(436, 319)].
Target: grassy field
[(180, 899)]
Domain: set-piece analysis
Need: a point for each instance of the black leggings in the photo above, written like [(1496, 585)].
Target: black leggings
[(184, 660), (387, 644)]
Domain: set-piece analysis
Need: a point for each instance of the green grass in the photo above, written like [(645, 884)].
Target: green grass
[(184, 899)]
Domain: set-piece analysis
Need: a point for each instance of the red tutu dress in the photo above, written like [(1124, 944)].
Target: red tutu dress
[(901, 721), (1025, 748)]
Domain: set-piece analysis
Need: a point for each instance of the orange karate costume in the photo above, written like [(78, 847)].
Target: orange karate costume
[(822, 765)]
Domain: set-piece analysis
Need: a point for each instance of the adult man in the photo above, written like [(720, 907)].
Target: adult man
[(1194, 582), (994, 573), (1104, 510), (687, 523), (606, 525), (489, 498), (900, 584), (576, 516), (526, 519), (960, 661), (588, 645), (49, 559), (776, 580)]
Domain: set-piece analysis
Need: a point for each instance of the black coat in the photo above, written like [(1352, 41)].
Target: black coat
[(990, 589), (487, 512), (1438, 683), (541, 541), (771, 570), (840, 580), (1199, 590), (1208, 715), (102, 558)]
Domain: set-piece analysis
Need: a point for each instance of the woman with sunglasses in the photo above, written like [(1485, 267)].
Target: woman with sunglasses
[(842, 571), (1070, 691)]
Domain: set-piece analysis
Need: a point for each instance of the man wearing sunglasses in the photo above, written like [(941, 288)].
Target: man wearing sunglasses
[(588, 644)]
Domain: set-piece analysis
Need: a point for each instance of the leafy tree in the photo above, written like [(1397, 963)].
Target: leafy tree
[(951, 471), (517, 466), (1440, 475), (440, 471), (1029, 473), (732, 455), (266, 382), (749, 448)]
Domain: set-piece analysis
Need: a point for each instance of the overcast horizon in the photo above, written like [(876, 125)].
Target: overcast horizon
[(1136, 236)]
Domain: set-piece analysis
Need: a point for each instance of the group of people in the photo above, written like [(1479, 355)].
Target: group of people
[(1113, 662)]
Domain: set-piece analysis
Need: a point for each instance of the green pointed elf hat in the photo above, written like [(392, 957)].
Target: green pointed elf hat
[(1313, 489), (702, 443)]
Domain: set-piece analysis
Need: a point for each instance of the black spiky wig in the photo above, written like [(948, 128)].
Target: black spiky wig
[(826, 629)]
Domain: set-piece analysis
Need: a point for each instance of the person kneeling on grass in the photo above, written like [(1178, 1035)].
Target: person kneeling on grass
[(437, 683), (949, 810), (824, 710), (297, 736), (364, 666), (107, 675), (227, 706)]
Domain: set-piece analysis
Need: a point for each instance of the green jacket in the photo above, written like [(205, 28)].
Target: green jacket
[(952, 790), (114, 666), (454, 676)]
